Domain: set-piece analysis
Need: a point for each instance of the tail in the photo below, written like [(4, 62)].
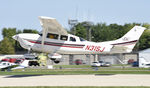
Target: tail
[(24, 64), (129, 40)]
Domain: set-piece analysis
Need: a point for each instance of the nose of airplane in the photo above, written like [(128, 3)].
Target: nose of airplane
[(15, 37)]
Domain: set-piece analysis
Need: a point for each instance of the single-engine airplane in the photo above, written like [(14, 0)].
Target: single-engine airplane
[(11, 66), (55, 40)]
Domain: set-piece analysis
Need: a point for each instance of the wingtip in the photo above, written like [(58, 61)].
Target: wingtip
[(140, 27), (44, 17)]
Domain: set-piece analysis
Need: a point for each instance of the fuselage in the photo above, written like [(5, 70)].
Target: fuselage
[(70, 44), (64, 44), (5, 64)]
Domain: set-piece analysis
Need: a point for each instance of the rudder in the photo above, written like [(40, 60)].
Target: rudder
[(129, 40)]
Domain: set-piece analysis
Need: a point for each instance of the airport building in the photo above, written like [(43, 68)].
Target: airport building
[(88, 59), (76, 59)]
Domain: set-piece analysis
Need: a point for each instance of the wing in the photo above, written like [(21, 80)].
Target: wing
[(51, 25), (9, 67)]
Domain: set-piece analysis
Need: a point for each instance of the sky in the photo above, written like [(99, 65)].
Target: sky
[(23, 14)]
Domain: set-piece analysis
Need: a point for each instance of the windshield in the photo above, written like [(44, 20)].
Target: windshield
[(81, 39), (40, 34)]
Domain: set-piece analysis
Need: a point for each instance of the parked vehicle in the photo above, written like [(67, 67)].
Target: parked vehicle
[(34, 63), (95, 64), (106, 64), (78, 62), (135, 64), (130, 61), (102, 62), (13, 60)]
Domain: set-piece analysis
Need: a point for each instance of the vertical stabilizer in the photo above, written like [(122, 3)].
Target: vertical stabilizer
[(129, 40), (24, 64)]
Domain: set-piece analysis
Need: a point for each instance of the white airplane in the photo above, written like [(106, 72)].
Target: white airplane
[(55, 40), (11, 66)]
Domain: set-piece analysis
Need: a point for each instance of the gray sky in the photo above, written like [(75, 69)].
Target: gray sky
[(22, 14)]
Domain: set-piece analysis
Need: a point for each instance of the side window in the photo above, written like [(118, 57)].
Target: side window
[(63, 37), (52, 36), (72, 39)]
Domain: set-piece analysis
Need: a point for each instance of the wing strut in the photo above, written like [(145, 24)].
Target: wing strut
[(43, 38)]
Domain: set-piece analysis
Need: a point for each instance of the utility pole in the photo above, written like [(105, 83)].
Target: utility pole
[(88, 25), (72, 24)]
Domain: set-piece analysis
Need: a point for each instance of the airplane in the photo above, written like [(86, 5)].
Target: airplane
[(55, 41), (4, 65)]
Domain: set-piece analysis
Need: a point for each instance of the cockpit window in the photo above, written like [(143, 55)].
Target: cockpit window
[(4, 63), (52, 36), (64, 37), (72, 39), (40, 34), (81, 39)]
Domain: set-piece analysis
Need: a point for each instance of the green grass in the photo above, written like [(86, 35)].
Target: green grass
[(77, 87), (77, 70), (88, 67), (71, 72), (72, 66)]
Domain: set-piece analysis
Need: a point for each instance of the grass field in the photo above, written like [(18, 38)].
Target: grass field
[(100, 68), (71, 72), (72, 66), (77, 70), (76, 87)]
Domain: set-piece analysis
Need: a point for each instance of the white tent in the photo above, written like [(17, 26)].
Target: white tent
[(144, 58), (145, 54)]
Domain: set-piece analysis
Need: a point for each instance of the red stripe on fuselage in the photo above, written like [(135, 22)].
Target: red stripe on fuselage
[(126, 43), (57, 45)]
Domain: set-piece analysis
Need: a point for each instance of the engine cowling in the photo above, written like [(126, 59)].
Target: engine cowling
[(56, 60), (55, 57)]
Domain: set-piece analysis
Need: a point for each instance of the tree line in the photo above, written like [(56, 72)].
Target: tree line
[(95, 32)]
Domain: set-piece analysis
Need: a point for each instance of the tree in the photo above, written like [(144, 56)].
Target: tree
[(6, 47), (144, 41), (30, 31), (9, 32), (98, 32), (81, 30)]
